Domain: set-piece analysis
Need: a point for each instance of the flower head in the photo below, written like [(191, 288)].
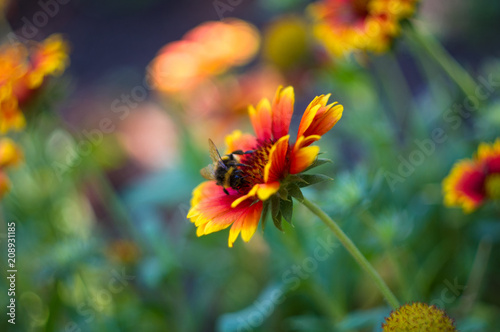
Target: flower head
[(345, 26), (265, 165), (472, 181), (418, 317), (49, 57)]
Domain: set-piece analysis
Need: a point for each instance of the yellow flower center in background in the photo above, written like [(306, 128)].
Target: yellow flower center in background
[(418, 317), (493, 186)]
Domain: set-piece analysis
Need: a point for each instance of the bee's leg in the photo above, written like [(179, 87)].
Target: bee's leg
[(240, 164), (225, 190)]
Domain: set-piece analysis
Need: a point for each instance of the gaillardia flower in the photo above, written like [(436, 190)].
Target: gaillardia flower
[(266, 169), (344, 26), (418, 317), (473, 181)]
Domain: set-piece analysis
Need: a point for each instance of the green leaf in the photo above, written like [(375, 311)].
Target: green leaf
[(277, 221), (295, 192), (319, 162), (275, 212), (294, 178), (265, 211), (311, 179), (286, 209)]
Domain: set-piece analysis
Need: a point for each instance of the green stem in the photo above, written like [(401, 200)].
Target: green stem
[(454, 70), (354, 251)]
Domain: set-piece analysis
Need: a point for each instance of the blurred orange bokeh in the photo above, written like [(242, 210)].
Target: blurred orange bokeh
[(209, 49)]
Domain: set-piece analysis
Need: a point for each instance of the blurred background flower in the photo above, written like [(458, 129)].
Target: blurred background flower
[(345, 26), (472, 182)]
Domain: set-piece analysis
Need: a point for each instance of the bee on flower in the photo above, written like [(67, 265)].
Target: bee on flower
[(472, 182), (268, 166)]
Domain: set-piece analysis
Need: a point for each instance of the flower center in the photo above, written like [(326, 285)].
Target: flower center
[(351, 12), (493, 186), (255, 162)]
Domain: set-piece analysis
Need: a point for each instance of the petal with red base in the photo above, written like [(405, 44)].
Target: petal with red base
[(211, 208), (261, 118), (282, 111), (262, 191), (277, 164), (246, 223), (239, 141), (319, 118), (464, 186), (302, 155)]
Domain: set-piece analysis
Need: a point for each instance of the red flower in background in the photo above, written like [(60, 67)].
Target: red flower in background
[(473, 181)]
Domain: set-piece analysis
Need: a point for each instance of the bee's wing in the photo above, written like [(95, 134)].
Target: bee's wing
[(214, 153), (208, 172)]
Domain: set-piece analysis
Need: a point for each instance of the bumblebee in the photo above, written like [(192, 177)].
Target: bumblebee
[(224, 169)]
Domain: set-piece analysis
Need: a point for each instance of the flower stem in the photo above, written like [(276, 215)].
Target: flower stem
[(354, 251), (454, 70)]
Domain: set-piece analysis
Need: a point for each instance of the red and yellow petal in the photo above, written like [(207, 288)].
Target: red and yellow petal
[(211, 211), (319, 118), (246, 224), (239, 141), (464, 186), (261, 118), (276, 166), (303, 155), (489, 156), (282, 111), (261, 190)]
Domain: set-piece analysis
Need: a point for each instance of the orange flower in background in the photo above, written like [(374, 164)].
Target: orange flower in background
[(473, 181), (22, 71), (10, 155), (48, 58), (264, 164), (209, 49), (345, 26), (11, 117)]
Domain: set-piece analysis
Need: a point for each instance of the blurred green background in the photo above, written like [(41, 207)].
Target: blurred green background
[(102, 239)]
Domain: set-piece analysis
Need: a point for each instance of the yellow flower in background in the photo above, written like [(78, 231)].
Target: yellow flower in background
[(10, 154), (210, 49), (346, 26), (473, 181), (286, 42), (418, 317)]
